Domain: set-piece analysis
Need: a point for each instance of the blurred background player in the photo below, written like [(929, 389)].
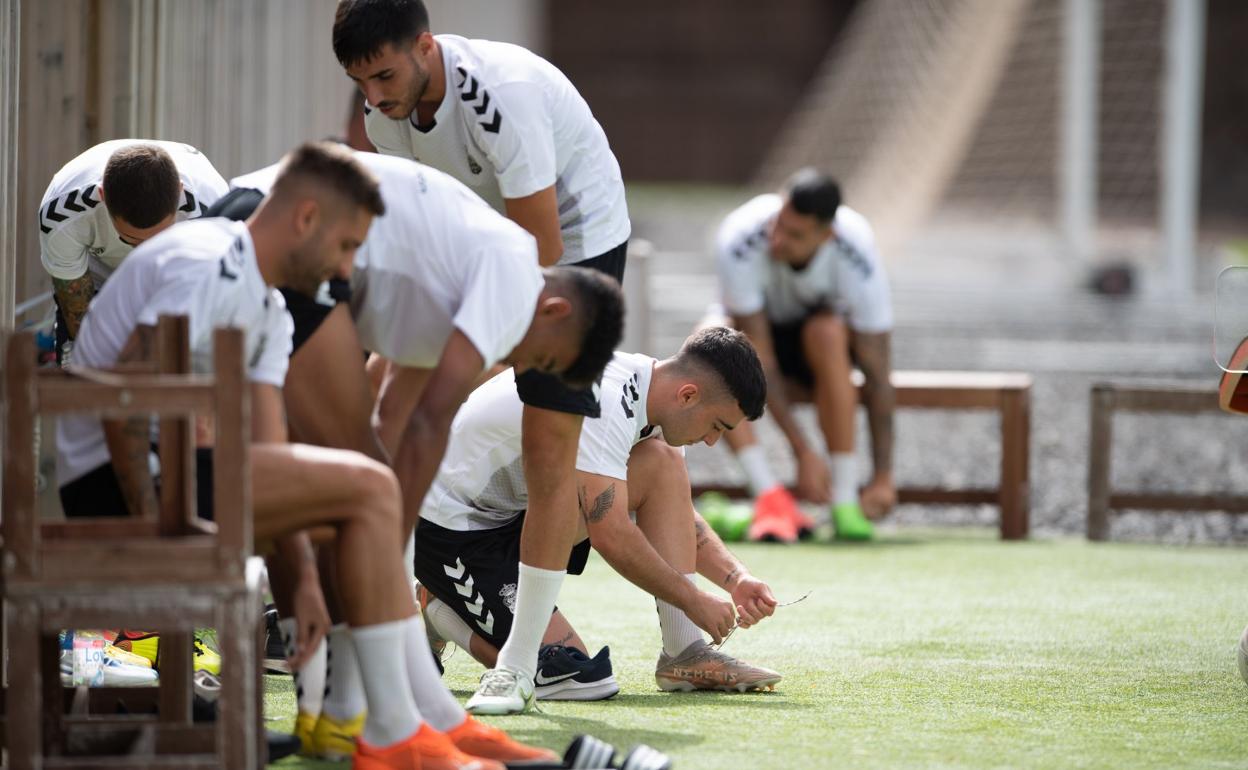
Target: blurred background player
[(800, 275), (514, 129), (144, 186), (468, 549)]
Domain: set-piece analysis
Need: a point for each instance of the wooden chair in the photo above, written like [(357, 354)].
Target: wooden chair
[(173, 573), (1008, 394)]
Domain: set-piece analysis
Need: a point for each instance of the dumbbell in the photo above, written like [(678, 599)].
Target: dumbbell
[(586, 752)]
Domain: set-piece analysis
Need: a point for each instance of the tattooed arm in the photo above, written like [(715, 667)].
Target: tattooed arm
[(73, 297), (129, 440), (752, 597), (604, 506)]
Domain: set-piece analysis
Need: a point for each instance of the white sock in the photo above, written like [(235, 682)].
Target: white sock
[(409, 565), (344, 692), (536, 592), (844, 477), (678, 630), (392, 712), (436, 704), (309, 680), (758, 473), (448, 625)]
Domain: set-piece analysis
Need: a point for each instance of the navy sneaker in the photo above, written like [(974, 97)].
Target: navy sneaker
[(566, 673)]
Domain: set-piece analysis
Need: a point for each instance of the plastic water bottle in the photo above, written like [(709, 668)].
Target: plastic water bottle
[(88, 658)]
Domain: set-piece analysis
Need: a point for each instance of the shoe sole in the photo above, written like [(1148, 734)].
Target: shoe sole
[(495, 709), (583, 691), (682, 685)]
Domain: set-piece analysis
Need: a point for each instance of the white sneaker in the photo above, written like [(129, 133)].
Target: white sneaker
[(502, 691)]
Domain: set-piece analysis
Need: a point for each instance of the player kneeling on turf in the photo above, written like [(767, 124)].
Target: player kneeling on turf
[(467, 544)]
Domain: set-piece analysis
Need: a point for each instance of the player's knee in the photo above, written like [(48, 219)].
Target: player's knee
[(376, 488), (824, 338)]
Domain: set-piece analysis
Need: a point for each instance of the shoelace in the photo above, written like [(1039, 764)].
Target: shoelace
[(736, 623), (498, 681)]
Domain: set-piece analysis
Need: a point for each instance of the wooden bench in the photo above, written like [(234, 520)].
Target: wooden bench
[(172, 573), (1008, 394), (1105, 401)]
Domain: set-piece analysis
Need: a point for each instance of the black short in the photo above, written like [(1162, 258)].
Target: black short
[(237, 204), (99, 494), (547, 391), (307, 312), (786, 340), (476, 572)]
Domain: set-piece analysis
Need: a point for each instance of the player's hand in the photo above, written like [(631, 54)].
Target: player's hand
[(814, 479), (753, 599), (713, 615), (878, 497), (311, 620)]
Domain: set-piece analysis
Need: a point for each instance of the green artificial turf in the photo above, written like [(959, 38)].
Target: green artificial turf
[(939, 648)]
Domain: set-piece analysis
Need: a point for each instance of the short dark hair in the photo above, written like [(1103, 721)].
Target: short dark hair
[(599, 308), (729, 354), (141, 185), (813, 193), (362, 27), (330, 166)]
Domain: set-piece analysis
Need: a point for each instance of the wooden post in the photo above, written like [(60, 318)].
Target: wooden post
[(175, 676), (1015, 460), (177, 434), (1100, 440), (232, 475), (21, 536), (23, 723)]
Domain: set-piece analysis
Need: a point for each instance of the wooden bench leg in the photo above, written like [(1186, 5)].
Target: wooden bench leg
[(24, 725), (1015, 460), (236, 706), (175, 677), (1100, 441)]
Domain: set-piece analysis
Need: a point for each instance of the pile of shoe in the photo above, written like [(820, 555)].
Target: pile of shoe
[(128, 657), (114, 668)]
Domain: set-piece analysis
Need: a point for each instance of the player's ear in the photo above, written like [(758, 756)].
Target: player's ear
[(307, 215), (554, 308), (688, 395)]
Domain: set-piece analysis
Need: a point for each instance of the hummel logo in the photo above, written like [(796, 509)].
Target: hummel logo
[(541, 680)]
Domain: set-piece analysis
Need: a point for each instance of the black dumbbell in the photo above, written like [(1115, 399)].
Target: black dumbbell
[(586, 752)]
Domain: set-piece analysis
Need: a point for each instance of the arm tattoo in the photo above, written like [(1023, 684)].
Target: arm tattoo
[(872, 354), (602, 503), (699, 528), (73, 296), (731, 576)]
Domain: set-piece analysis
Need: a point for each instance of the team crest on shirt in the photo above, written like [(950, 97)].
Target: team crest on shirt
[(508, 594), (473, 165)]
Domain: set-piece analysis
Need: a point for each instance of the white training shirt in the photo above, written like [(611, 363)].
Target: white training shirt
[(480, 483), (76, 233), (438, 260), (205, 270), (512, 124), (846, 274)]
